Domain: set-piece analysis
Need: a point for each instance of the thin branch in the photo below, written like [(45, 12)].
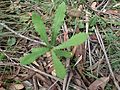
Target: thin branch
[(88, 42), (20, 35), (68, 80), (52, 85), (78, 61), (41, 72), (100, 4), (105, 5)]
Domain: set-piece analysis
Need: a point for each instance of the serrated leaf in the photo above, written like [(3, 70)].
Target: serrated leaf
[(73, 41), (31, 57), (39, 27), (62, 53), (59, 67), (58, 20)]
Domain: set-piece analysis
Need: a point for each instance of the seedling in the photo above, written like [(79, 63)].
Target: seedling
[(56, 51)]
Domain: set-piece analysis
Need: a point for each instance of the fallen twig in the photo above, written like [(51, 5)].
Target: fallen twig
[(5, 26), (107, 60)]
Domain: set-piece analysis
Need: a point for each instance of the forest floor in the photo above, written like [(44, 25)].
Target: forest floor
[(95, 64)]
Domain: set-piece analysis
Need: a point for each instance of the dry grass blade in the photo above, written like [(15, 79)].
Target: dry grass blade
[(52, 85), (88, 42), (106, 57)]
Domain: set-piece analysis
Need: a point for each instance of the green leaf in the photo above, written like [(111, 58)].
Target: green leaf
[(1, 28), (81, 25), (2, 56), (93, 20), (62, 53), (11, 41), (39, 27), (31, 57), (58, 20), (59, 67), (73, 41), (24, 18)]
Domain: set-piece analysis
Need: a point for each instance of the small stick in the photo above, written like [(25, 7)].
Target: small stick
[(88, 42), (105, 5), (52, 85), (100, 4), (43, 73), (5, 26)]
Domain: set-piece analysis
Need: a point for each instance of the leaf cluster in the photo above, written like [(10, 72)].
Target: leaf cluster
[(56, 51)]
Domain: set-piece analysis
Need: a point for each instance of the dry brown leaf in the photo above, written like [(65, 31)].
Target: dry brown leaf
[(1, 83), (93, 37), (11, 87), (14, 86), (75, 12), (114, 12), (2, 88), (18, 86), (65, 32), (100, 83)]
